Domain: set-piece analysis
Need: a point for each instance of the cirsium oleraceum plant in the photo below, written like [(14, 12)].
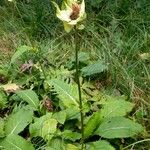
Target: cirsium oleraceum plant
[(72, 13)]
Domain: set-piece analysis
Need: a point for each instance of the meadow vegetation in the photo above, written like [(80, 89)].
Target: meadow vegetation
[(38, 92)]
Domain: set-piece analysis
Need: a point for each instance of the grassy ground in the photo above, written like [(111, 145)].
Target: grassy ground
[(117, 32)]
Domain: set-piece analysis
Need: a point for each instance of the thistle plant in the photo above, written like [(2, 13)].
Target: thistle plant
[(72, 13)]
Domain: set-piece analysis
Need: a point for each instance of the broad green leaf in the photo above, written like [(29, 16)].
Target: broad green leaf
[(94, 68), (2, 124), (30, 97), (60, 116), (99, 145), (114, 108), (118, 127), (56, 144), (72, 113), (15, 142), (20, 51), (36, 127), (3, 99), (72, 147), (67, 93), (92, 124), (70, 135), (49, 127), (16, 122)]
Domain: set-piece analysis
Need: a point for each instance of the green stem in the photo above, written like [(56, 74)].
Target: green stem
[(77, 48)]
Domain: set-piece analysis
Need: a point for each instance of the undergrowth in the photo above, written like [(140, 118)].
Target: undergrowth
[(37, 76)]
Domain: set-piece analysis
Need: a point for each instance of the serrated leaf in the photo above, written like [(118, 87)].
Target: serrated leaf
[(99, 145), (60, 116), (15, 142), (66, 92), (70, 135), (48, 129), (3, 99), (36, 127), (20, 51), (92, 124), (16, 122), (30, 97), (94, 68), (118, 127), (114, 108)]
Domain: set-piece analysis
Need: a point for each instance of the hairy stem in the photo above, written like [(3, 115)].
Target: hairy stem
[(77, 48)]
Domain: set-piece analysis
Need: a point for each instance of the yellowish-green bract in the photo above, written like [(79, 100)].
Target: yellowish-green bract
[(72, 13)]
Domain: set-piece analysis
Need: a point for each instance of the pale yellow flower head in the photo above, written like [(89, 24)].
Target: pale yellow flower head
[(72, 14)]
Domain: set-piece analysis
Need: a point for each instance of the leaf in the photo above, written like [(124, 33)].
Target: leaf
[(99, 145), (20, 51), (36, 127), (114, 108), (15, 142), (56, 144), (94, 68), (70, 135), (16, 122), (60, 116), (30, 97), (71, 147), (92, 124), (66, 92), (72, 113), (10, 87), (2, 124), (3, 99), (83, 57), (145, 56), (48, 129), (118, 127)]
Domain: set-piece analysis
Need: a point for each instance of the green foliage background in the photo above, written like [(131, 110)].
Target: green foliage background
[(116, 34)]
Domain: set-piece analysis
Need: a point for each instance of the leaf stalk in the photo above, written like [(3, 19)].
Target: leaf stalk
[(77, 48)]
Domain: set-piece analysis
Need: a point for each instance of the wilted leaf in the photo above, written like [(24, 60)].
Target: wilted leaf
[(30, 97), (118, 127), (15, 142), (16, 122), (145, 56), (10, 87)]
